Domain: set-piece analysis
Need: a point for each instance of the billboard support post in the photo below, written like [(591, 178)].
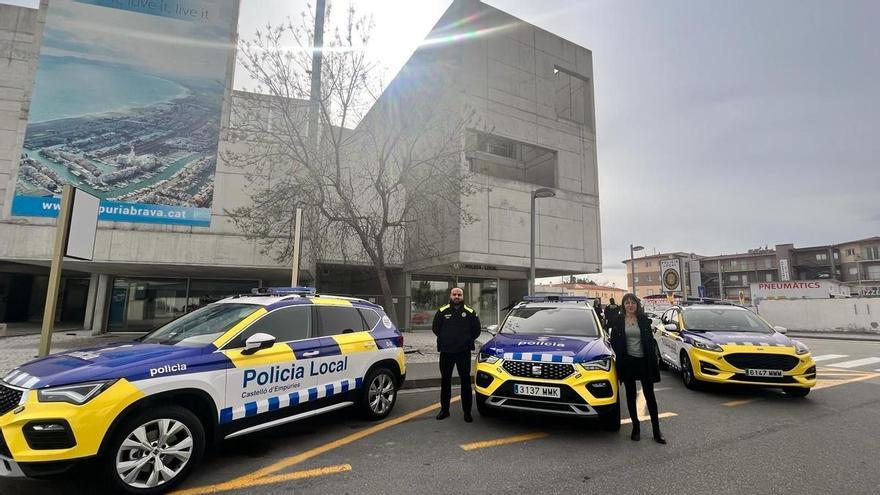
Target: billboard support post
[(61, 232), (297, 232)]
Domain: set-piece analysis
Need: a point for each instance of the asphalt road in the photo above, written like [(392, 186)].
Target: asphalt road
[(723, 440)]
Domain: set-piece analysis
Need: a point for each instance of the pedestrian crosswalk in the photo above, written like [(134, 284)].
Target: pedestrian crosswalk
[(840, 361)]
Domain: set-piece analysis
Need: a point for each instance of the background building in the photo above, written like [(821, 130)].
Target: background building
[(533, 89), (647, 275), (602, 292)]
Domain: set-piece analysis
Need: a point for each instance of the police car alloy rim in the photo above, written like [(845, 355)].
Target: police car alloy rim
[(381, 393), (154, 453)]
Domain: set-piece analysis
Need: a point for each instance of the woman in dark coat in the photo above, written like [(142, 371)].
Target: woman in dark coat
[(633, 345)]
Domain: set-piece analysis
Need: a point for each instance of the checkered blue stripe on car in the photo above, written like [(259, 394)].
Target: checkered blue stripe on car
[(768, 344), (21, 379), (292, 399), (543, 358)]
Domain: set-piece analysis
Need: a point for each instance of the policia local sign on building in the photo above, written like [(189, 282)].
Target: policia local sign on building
[(127, 106), (670, 275)]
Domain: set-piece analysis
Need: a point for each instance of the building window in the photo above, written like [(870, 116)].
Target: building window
[(768, 263), (836, 255), (572, 96), (874, 272), (650, 292), (734, 278), (768, 277), (509, 159), (850, 252), (872, 253), (647, 264), (734, 263), (649, 279), (853, 270), (821, 256), (636, 279)]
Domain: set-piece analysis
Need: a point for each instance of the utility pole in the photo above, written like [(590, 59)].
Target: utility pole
[(317, 56)]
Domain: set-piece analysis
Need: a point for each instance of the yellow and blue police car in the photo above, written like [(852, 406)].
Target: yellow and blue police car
[(146, 410), (549, 355), (712, 342)]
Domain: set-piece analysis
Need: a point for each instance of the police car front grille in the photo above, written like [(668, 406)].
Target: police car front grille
[(9, 398), (762, 361), (547, 371)]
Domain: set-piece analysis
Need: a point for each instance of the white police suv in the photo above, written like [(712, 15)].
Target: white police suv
[(145, 410)]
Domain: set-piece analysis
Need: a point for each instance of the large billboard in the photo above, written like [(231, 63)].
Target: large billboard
[(127, 106)]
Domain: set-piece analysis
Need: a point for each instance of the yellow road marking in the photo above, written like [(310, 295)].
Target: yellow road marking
[(641, 404), (626, 421), (249, 479), (503, 441), (830, 383), (299, 475), (740, 402)]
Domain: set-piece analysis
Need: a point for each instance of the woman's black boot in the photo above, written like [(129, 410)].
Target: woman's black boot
[(658, 437), (636, 434)]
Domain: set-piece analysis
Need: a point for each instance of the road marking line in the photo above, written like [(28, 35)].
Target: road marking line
[(740, 402), (856, 363), (626, 421), (641, 404), (829, 383), (841, 373), (248, 479), (828, 357), (299, 475), (503, 441)]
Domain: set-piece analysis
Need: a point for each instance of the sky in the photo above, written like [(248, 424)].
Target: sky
[(721, 126)]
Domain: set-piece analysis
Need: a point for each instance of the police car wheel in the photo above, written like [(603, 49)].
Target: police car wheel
[(796, 392), (154, 450), (687, 373), (483, 408), (379, 394), (610, 421)]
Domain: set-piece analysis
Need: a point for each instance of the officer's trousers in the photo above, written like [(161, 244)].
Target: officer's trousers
[(462, 361)]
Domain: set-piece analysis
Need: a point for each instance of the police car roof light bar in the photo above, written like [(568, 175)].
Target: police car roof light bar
[(283, 291), (555, 298)]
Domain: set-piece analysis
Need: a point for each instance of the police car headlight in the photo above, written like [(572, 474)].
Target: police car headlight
[(800, 347), (488, 358), (74, 394), (598, 365), (706, 345)]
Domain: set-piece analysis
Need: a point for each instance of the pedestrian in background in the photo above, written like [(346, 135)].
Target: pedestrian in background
[(636, 358), (457, 327), (611, 312)]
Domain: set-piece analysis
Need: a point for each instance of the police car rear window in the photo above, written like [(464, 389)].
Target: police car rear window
[(201, 326), (576, 322)]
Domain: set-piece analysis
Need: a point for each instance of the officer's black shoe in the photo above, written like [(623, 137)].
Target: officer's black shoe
[(442, 415), (468, 418)]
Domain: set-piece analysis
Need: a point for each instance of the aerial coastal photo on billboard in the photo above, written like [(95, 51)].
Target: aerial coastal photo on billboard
[(127, 106)]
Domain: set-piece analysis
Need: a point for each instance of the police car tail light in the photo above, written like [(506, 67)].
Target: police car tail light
[(598, 365), (74, 394), (488, 358)]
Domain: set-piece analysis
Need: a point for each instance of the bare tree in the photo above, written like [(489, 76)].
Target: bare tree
[(384, 182)]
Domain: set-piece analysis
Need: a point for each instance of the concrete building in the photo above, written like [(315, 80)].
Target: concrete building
[(533, 89), (727, 275)]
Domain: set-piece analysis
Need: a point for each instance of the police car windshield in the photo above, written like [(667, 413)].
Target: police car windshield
[(577, 322), (723, 320), (202, 326)]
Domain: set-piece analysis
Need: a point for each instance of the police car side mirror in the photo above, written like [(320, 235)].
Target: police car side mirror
[(671, 327), (781, 330), (256, 342), (493, 329)]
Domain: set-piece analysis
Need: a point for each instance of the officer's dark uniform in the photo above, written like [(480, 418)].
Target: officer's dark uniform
[(456, 328)]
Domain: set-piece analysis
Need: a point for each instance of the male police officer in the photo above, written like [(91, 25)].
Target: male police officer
[(612, 311), (457, 327)]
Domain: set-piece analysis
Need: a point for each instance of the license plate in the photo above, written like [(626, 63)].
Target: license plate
[(775, 373), (537, 391)]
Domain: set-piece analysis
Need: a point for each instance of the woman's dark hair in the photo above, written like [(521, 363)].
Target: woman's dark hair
[(629, 296)]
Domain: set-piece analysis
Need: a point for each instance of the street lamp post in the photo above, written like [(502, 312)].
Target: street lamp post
[(632, 264), (542, 192)]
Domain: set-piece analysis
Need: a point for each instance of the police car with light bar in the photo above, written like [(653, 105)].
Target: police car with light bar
[(715, 342), (145, 410), (549, 355)]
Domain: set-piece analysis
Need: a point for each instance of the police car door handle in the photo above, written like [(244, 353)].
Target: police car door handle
[(311, 353)]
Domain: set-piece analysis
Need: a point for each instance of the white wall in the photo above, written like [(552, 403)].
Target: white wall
[(824, 315)]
